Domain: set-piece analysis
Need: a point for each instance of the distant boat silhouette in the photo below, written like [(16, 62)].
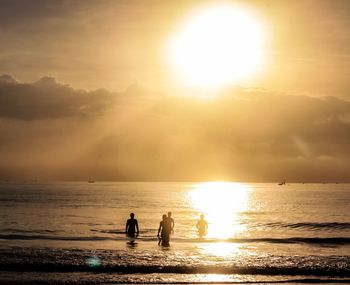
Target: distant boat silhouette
[(282, 183), (91, 181)]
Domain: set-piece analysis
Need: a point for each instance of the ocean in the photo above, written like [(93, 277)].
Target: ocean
[(73, 233)]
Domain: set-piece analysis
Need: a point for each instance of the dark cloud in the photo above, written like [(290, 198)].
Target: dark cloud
[(50, 130), (48, 99), (18, 12)]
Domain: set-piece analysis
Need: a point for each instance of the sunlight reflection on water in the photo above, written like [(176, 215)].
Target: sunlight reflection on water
[(221, 203), (222, 249), (210, 278)]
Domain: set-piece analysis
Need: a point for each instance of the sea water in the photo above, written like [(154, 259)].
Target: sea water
[(73, 233)]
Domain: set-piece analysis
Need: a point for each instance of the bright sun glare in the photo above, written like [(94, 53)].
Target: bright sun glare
[(216, 46), (221, 203)]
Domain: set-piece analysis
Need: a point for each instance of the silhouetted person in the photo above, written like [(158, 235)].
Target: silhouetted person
[(164, 229), (202, 226), (172, 223), (132, 227)]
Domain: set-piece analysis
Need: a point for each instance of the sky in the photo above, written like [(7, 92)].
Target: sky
[(86, 93)]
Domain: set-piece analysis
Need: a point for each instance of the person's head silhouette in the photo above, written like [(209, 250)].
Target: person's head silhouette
[(164, 217), (132, 215), (169, 214), (202, 217)]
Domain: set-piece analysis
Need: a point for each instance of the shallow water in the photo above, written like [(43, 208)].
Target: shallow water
[(257, 232)]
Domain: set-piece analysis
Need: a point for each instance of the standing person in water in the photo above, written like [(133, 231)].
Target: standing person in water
[(132, 227), (171, 222), (202, 226), (164, 229)]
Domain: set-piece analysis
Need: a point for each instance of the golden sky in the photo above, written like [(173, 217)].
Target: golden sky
[(107, 106), (111, 44)]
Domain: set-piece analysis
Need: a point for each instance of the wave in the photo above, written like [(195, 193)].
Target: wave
[(152, 232), (145, 232), (12, 230), (309, 240), (177, 269), (128, 281), (308, 226), (46, 237), (291, 240), (313, 226), (116, 232)]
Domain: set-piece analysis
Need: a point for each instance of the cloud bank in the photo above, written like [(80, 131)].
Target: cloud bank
[(49, 130)]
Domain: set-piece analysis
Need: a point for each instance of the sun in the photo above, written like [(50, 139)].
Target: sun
[(216, 46)]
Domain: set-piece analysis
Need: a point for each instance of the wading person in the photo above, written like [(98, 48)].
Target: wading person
[(171, 222), (202, 226), (132, 227), (164, 231)]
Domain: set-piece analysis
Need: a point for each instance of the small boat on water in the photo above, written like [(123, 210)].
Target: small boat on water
[(91, 181), (282, 183)]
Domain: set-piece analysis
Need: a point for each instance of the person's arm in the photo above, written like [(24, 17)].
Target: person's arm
[(137, 227), (160, 227), (197, 226), (173, 225), (126, 226)]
